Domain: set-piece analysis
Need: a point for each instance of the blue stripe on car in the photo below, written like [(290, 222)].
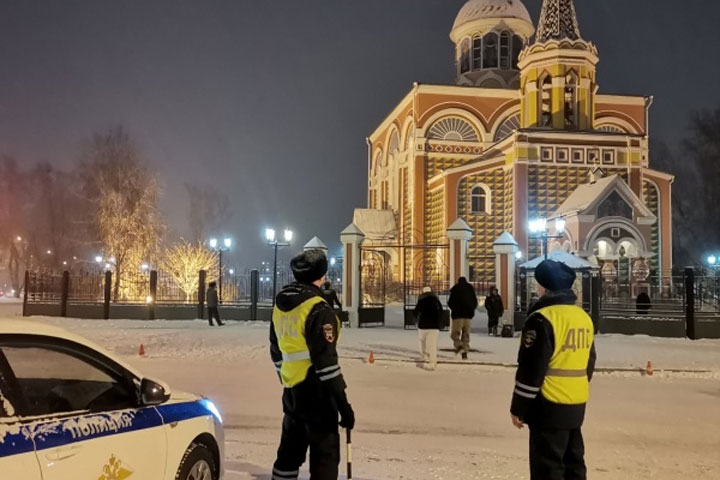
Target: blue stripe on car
[(53, 433)]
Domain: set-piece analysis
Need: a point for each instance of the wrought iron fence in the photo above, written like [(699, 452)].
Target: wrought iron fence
[(170, 291), (43, 287), (86, 287)]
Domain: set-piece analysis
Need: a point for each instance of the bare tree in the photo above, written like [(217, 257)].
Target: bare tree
[(183, 263), (123, 194), (13, 213), (209, 211)]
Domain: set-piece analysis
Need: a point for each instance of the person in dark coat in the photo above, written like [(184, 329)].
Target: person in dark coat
[(428, 313), (462, 302), (330, 296), (212, 304), (643, 303), (495, 309)]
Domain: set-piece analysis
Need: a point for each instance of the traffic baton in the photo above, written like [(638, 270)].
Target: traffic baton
[(349, 453)]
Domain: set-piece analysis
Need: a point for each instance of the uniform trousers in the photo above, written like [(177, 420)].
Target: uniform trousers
[(557, 454), (297, 436)]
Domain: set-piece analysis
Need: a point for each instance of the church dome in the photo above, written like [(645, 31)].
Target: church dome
[(489, 36), (484, 9)]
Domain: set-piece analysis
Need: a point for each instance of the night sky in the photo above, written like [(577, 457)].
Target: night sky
[(271, 101)]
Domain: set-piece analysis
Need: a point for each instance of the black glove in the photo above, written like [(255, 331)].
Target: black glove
[(347, 416)]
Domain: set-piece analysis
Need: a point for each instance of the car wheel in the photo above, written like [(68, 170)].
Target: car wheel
[(197, 464)]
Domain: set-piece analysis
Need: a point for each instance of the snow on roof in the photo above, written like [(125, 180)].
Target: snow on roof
[(376, 224), (584, 195), (588, 195), (480, 9), (315, 243), (34, 327), (572, 261)]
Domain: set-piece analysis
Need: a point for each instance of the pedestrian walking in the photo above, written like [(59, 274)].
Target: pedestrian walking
[(428, 313), (555, 365), (643, 303), (495, 309), (303, 339), (212, 304), (330, 296), (462, 302)]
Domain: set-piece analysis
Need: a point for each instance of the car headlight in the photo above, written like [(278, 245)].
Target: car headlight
[(212, 408)]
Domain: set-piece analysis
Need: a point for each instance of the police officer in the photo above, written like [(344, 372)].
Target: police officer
[(303, 339), (555, 365)]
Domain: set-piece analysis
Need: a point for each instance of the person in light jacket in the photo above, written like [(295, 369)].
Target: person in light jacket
[(428, 313)]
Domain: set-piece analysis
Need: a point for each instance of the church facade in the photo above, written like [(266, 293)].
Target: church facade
[(524, 134)]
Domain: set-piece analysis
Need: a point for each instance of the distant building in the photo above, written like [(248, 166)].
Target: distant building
[(523, 134)]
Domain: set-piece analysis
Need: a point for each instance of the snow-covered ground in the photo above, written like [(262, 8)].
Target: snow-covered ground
[(449, 424)]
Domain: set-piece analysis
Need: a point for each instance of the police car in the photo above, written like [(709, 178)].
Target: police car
[(68, 410)]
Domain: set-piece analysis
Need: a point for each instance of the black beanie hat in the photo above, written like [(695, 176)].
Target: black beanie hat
[(555, 276), (309, 266)]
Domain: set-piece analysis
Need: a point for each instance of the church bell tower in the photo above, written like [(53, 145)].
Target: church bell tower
[(558, 72)]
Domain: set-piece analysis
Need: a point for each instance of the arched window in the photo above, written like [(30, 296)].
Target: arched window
[(480, 199), (453, 129), (507, 127), (610, 129), (376, 163), (465, 56), (517, 45), (545, 110), (571, 101), (490, 50), (410, 137), (505, 50), (477, 53), (394, 143)]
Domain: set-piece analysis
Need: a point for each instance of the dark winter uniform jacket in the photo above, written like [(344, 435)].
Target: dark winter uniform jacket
[(316, 399), (536, 350), (463, 300), (212, 298), (428, 312), (330, 296), (494, 306)]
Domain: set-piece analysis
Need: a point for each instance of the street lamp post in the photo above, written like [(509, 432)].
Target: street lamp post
[(218, 247), (538, 229), (275, 243)]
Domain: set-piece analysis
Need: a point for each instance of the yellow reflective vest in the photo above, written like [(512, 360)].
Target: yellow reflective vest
[(290, 332), (566, 381)]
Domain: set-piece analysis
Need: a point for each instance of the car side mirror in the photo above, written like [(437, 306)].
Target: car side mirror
[(153, 393)]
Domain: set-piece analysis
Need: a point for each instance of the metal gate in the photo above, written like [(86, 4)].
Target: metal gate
[(425, 266), (373, 286)]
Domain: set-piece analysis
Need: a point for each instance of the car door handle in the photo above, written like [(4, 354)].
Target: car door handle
[(62, 453)]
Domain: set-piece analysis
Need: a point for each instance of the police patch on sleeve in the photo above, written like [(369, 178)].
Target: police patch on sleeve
[(329, 332), (529, 338)]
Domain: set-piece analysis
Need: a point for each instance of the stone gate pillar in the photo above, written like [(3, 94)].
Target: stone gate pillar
[(505, 248), (459, 234), (351, 239)]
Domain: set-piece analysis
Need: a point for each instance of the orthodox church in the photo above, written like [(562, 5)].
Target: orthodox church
[(524, 134)]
